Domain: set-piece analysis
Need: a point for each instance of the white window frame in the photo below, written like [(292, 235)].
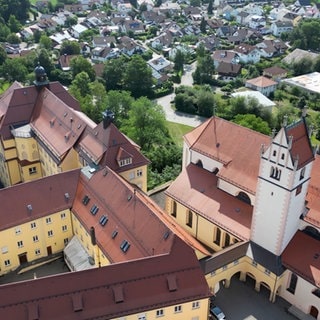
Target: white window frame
[(20, 244), (33, 225), (64, 228), (48, 220), (7, 263), (50, 233)]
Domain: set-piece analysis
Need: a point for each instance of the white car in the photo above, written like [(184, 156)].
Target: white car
[(217, 313)]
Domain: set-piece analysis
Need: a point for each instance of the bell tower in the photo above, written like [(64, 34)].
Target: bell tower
[(284, 174), (40, 76)]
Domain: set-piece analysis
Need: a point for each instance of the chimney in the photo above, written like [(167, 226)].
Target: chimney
[(108, 117)]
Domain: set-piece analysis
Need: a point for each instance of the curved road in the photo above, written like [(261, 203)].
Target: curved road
[(176, 116)]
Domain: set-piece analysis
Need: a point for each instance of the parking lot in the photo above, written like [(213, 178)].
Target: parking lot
[(242, 302)]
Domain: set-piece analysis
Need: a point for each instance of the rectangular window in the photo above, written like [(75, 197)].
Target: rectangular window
[(50, 233), (65, 241), (159, 313), (177, 309), (35, 239), (142, 317), (131, 175), (139, 173), (64, 228), (254, 263), (174, 209), (195, 305), (18, 230), (217, 237), (37, 252), (20, 244), (32, 170), (7, 263), (33, 225), (4, 249), (48, 220), (298, 190), (293, 283), (189, 218), (63, 215)]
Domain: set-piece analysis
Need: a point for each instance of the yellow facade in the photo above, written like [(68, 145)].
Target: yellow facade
[(137, 176), (200, 228), (195, 310), (34, 239)]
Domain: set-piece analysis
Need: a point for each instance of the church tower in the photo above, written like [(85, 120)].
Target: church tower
[(284, 174), (40, 76)]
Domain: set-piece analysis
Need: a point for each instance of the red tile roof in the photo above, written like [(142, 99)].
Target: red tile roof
[(313, 195), (104, 144), (236, 147), (45, 196), (109, 292), (301, 149), (302, 256), (262, 82), (197, 189), (136, 218)]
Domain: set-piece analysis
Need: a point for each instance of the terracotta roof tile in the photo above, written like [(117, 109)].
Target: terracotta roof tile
[(236, 147), (302, 256), (262, 82), (28, 205), (196, 188), (140, 285)]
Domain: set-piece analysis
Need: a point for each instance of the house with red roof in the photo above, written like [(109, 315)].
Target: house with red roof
[(254, 201)]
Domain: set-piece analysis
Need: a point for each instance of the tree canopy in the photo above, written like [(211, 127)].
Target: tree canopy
[(17, 8)]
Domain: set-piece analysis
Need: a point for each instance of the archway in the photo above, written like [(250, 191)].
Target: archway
[(314, 312)]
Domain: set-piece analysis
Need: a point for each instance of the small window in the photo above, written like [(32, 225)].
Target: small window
[(48, 220), (174, 209), (275, 173), (266, 271), (177, 309), (17, 230), (64, 228), (35, 238), (254, 263), (282, 156), (195, 305), (85, 200), (139, 173), (37, 252), (274, 153), (33, 225), (189, 218), (20, 244), (32, 170), (94, 209), (160, 313), (7, 263), (125, 245), (217, 237), (227, 240), (63, 215), (302, 173), (298, 190), (65, 241), (293, 283), (50, 233), (316, 292), (4, 249)]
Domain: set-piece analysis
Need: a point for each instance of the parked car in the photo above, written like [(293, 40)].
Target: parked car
[(217, 313)]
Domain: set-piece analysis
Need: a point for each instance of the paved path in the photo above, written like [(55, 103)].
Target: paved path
[(180, 117)]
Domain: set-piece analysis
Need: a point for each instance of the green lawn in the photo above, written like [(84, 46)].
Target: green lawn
[(54, 2), (4, 86), (177, 131)]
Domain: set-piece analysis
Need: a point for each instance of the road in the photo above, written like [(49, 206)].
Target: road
[(180, 117)]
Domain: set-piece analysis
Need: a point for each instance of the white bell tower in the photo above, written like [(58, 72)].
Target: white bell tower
[(285, 169)]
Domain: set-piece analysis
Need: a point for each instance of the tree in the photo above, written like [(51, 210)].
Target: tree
[(81, 64), (99, 95), (178, 61), (203, 25), (205, 102), (3, 55), (119, 102), (13, 38), (204, 71), (138, 77), (252, 122), (113, 73), (146, 124), (302, 66), (70, 47), (13, 24), (80, 86), (210, 7), (4, 32), (14, 70), (17, 8), (45, 42), (44, 59), (37, 35), (71, 21)]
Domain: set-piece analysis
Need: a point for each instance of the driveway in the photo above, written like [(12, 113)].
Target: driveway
[(176, 116)]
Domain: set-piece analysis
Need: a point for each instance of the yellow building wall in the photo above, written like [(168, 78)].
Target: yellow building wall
[(31, 172), (48, 165), (202, 229), (14, 172), (195, 310), (70, 162), (137, 176), (27, 149), (35, 238)]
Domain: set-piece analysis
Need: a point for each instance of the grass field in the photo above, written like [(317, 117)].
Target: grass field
[(33, 2), (177, 131), (4, 86)]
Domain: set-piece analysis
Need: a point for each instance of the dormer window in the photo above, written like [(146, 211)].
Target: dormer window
[(125, 162)]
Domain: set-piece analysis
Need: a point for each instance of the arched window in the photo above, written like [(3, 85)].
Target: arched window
[(275, 173), (199, 164), (274, 153), (244, 197)]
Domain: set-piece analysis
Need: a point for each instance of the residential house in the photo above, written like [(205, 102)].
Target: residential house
[(152, 17), (254, 9), (104, 41), (134, 26), (231, 178), (224, 56), (75, 8), (275, 73), (58, 37), (297, 54), (77, 30), (163, 41), (271, 48), (243, 18), (293, 17), (102, 54), (257, 22), (129, 47), (228, 71), (210, 42), (262, 84), (64, 62), (279, 27), (244, 35), (226, 31), (170, 8), (247, 53), (214, 23)]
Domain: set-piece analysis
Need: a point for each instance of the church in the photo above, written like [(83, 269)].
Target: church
[(253, 200)]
